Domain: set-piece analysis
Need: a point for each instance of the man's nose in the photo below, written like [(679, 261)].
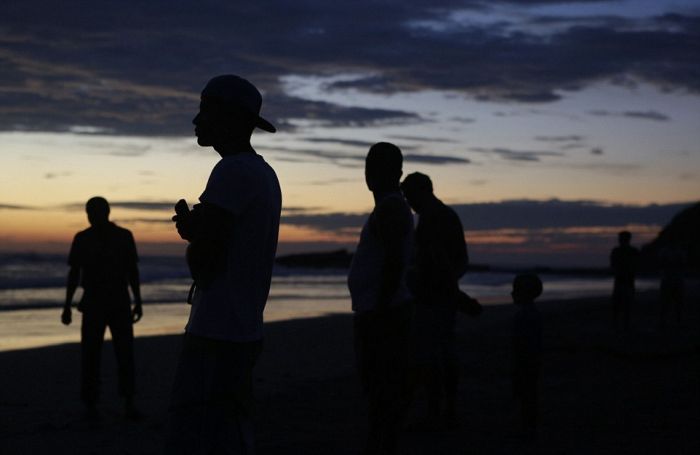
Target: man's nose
[(195, 120)]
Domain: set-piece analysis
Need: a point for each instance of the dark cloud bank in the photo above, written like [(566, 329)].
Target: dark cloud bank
[(509, 214), (520, 214), (139, 69)]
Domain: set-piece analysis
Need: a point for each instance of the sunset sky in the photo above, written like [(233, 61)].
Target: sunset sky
[(549, 125)]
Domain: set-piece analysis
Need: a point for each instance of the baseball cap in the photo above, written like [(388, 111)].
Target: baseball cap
[(238, 93)]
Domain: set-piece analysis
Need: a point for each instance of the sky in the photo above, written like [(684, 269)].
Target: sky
[(548, 125)]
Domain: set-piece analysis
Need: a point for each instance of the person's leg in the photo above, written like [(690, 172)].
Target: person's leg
[(91, 338), (616, 303), (529, 404), (121, 328), (627, 308), (187, 409), (365, 357), (211, 402), (679, 296), (451, 383), (427, 333), (232, 398), (449, 366), (393, 384)]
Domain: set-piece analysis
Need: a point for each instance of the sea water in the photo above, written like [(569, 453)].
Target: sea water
[(38, 281), (32, 292)]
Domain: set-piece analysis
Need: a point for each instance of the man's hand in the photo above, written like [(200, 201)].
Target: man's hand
[(182, 219), (67, 316), (137, 313)]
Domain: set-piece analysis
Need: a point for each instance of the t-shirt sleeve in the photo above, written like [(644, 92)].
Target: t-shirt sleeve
[(75, 256), (229, 187)]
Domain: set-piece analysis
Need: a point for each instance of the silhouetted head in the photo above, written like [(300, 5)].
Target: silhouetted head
[(418, 190), (229, 111), (97, 209), (624, 238), (383, 167), (526, 288)]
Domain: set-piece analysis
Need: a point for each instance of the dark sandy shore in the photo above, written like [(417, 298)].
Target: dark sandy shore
[(601, 392)]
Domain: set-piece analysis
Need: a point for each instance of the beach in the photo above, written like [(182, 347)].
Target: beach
[(601, 391)]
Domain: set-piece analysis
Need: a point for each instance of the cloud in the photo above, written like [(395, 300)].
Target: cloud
[(292, 209), (348, 142), (53, 175), (329, 222), (558, 214), (16, 207), (144, 205), (376, 84), (464, 120), (643, 115), (520, 214), (139, 70), (129, 205), (434, 159), (515, 155), (331, 181), (557, 139), (574, 246), (145, 220), (597, 151), (439, 140), (284, 111), (357, 159)]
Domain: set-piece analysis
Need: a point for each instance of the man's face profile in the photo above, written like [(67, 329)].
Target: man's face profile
[(371, 176), (207, 123)]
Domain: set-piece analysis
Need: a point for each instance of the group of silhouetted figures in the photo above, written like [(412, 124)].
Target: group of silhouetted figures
[(403, 282), (625, 263)]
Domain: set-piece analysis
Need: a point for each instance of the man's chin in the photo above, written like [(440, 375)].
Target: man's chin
[(203, 142)]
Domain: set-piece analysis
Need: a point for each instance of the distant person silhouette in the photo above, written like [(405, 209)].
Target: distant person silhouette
[(103, 260), (233, 238), (381, 299), (440, 260), (526, 349), (623, 261), (672, 286)]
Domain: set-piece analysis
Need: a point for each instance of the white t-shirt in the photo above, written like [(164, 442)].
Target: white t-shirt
[(231, 307), (365, 275)]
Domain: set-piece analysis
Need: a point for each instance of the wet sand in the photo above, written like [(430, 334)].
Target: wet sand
[(601, 391)]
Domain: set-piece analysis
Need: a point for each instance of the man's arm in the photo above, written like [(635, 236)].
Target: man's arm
[(461, 263), (392, 230), (71, 285), (135, 284), (205, 221), (133, 278)]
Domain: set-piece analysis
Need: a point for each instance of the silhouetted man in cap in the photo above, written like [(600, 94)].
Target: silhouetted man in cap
[(103, 261), (381, 299), (623, 260), (233, 238), (440, 260)]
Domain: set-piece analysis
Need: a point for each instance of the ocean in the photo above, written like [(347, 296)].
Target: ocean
[(30, 281)]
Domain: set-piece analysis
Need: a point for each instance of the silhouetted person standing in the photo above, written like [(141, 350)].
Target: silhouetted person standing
[(623, 261), (526, 348), (103, 260), (440, 260), (381, 299), (233, 238)]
